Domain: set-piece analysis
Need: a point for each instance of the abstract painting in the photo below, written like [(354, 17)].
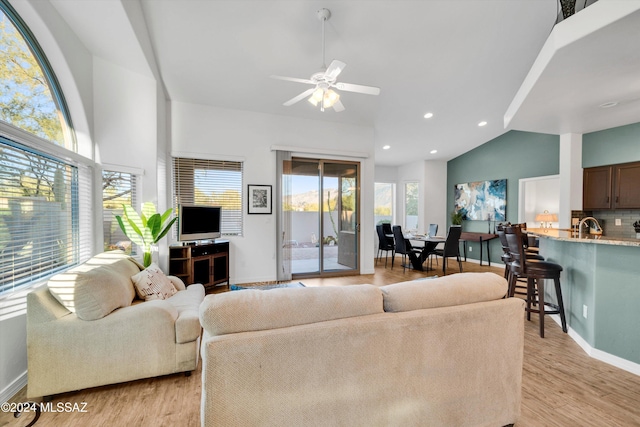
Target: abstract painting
[(482, 200)]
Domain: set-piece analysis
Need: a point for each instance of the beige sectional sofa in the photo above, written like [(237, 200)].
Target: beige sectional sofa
[(441, 352), (87, 328)]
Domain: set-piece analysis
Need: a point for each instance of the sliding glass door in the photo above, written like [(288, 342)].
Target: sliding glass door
[(323, 201)]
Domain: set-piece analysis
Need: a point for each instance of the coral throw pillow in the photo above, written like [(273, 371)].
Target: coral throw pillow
[(151, 283)]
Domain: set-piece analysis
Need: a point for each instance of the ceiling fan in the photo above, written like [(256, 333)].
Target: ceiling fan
[(324, 81)]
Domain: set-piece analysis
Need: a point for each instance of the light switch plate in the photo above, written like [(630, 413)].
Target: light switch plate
[(618, 221)]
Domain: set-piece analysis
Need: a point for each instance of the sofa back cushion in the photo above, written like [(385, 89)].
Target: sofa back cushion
[(255, 310), (96, 288), (456, 289)]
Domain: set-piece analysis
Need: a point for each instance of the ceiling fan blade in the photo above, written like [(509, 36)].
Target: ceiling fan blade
[(338, 106), (300, 97), (293, 79), (334, 69), (350, 87)]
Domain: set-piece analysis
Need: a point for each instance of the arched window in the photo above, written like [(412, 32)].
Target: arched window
[(30, 98), (45, 198)]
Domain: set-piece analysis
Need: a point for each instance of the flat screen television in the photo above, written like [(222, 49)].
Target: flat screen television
[(199, 222)]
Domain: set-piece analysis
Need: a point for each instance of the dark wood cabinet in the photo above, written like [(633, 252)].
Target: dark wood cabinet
[(206, 263), (612, 187), (596, 186), (627, 186)]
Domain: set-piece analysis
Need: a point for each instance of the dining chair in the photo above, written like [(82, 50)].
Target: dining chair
[(433, 231), (403, 246), (386, 244), (451, 247)]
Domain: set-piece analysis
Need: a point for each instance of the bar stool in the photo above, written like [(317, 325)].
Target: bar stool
[(535, 271), (507, 258)]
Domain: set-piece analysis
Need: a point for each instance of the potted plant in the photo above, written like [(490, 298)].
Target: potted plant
[(145, 229), (456, 218)]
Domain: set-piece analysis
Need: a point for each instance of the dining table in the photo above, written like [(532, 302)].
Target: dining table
[(430, 243)]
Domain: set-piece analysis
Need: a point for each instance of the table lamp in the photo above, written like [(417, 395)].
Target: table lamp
[(545, 218)]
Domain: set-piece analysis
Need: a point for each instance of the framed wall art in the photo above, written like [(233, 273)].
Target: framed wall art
[(482, 200), (259, 199)]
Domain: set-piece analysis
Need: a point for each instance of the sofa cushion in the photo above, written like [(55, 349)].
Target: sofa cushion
[(187, 304), (96, 288), (151, 283), (256, 310), (456, 289)]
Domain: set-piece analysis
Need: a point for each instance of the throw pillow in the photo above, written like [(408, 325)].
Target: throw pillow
[(94, 289), (151, 283)]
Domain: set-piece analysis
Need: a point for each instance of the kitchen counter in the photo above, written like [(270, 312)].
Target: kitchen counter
[(572, 236), (600, 283)]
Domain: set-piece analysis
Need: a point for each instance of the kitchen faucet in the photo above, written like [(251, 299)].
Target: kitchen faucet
[(584, 220)]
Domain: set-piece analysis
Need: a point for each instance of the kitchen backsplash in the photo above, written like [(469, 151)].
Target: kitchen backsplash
[(607, 220)]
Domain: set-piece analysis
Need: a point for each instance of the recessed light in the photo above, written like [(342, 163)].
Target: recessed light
[(386, 147), (608, 104), (482, 123), (428, 115), (433, 151)]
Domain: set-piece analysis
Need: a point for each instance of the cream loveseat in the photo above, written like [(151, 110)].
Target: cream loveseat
[(441, 352), (121, 339)]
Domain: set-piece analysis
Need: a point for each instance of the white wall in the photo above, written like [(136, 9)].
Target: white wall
[(216, 133), (537, 195), (434, 191)]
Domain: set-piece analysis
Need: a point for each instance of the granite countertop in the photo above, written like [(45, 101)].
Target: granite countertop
[(571, 236)]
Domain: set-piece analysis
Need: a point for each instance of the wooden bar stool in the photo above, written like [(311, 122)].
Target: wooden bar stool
[(507, 258), (535, 272)]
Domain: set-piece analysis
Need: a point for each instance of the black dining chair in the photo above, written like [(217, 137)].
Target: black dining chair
[(403, 246), (451, 248), (386, 244)]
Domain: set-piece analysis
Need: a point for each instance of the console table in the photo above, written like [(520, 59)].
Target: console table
[(206, 263), (468, 236)]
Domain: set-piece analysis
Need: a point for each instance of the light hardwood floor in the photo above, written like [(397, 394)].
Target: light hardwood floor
[(562, 386)]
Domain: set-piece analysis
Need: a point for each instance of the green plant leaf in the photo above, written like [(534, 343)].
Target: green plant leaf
[(166, 215), (154, 224), (134, 219), (165, 231), (128, 230), (148, 210)]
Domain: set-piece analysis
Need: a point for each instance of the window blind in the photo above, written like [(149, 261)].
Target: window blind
[(43, 222), (212, 183), (118, 189)]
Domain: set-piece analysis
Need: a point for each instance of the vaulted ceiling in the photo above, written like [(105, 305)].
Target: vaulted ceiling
[(464, 61)]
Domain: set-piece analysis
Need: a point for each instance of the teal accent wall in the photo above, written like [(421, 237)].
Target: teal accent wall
[(611, 146), (511, 156)]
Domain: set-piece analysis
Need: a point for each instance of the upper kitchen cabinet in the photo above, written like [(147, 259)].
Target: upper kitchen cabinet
[(596, 192), (612, 187)]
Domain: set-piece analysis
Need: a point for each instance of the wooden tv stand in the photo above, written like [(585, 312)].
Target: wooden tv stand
[(206, 263)]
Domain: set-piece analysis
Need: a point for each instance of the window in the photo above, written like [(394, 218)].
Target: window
[(30, 98), (384, 202), (45, 198), (411, 205), (39, 215), (118, 188), (214, 183)]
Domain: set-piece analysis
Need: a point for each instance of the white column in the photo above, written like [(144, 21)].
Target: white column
[(570, 177)]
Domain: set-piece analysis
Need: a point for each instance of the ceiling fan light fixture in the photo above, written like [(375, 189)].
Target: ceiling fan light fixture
[(317, 96), (330, 98)]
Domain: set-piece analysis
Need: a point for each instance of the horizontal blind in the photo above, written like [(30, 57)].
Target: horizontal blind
[(212, 183), (118, 189), (40, 218)]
